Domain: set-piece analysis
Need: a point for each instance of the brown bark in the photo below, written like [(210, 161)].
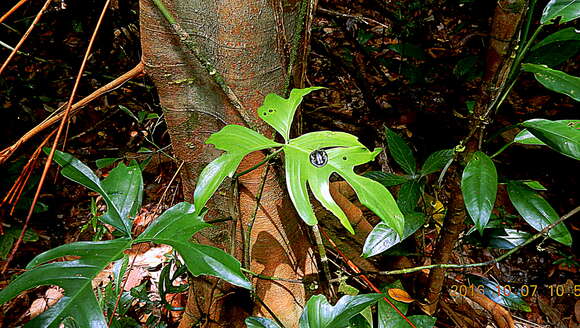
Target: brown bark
[(239, 37)]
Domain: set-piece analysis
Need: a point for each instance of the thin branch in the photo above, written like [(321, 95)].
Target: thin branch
[(261, 276), (56, 138), (12, 10), (25, 36), (113, 85), (492, 261), (264, 161), (248, 232)]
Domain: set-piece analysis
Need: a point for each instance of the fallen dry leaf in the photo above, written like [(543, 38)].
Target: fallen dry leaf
[(400, 295)]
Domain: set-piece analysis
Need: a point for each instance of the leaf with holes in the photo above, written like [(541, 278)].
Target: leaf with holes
[(237, 141), (313, 157), (568, 10), (279, 112)]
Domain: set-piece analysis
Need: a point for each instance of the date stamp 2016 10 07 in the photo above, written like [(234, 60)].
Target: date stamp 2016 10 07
[(522, 291)]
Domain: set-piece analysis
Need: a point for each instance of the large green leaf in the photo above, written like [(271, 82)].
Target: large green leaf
[(409, 195), (389, 318), (502, 295), (566, 34), (557, 135), (479, 188), (237, 141), (555, 80), (382, 237), (436, 161), (318, 313), (175, 227), (257, 322), (279, 112), (313, 157), (401, 152), (566, 9), (122, 190), (527, 138), (75, 277), (537, 211)]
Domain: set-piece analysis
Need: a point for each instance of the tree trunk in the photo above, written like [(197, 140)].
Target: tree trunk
[(243, 39)]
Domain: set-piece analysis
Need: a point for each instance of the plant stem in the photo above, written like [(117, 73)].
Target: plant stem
[(248, 232), (502, 149), (261, 276), (493, 261), (323, 259), (265, 160)]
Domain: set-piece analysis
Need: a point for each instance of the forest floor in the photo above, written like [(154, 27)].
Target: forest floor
[(414, 67)]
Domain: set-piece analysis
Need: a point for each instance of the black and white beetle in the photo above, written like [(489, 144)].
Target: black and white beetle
[(319, 157)]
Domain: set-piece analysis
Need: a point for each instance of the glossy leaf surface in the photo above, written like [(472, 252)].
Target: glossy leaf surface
[(401, 152), (237, 141), (566, 34), (257, 322), (382, 237), (559, 136), (479, 188), (437, 161), (386, 179), (318, 313), (537, 211), (555, 80), (175, 227), (566, 9)]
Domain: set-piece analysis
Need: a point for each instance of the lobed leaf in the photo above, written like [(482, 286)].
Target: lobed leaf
[(536, 211), (479, 189), (555, 80), (257, 322)]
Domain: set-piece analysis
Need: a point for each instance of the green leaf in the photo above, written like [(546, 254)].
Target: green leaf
[(106, 162), (436, 161), (10, 236), (318, 313), (568, 10), (279, 112), (334, 152), (567, 34), (386, 179), (175, 227), (557, 135), (527, 138), (507, 238), (537, 211), (389, 318), (479, 188), (122, 197), (256, 322), (554, 54), (75, 277), (409, 195), (382, 237), (499, 294), (535, 185), (401, 152), (555, 80), (237, 141)]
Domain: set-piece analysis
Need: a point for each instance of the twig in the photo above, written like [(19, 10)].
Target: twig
[(323, 259), (261, 276), (56, 138), (264, 161), (492, 261), (118, 82), (12, 10), (25, 36), (248, 232), (359, 18), (369, 283), (191, 45)]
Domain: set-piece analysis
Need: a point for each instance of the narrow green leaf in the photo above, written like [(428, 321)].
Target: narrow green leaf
[(479, 188), (257, 322), (78, 172), (537, 211), (507, 238), (500, 294), (557, 135), (535, 185), (279, 112), (554, 54), (568, 10), (337, 153), (386, 179), (106, 162), (555, 80), (124, 185), (566, 34), (527, 138), (175, 227), (237, 141), (75, 277), (382, 237), (318, 313), (401, 152), (436, 161)]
